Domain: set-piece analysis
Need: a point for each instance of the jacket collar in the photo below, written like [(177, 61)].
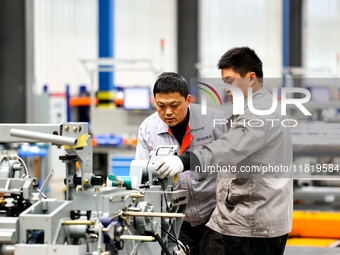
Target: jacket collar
[(256, 95)]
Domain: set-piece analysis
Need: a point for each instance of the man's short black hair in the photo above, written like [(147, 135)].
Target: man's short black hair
[(169, 82), (242, 60)]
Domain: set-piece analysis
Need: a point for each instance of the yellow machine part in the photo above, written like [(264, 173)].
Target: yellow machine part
[(316, 242), (81, 142), (315, 228)]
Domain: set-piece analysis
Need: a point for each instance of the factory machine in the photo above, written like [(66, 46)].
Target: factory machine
[(136, 214)]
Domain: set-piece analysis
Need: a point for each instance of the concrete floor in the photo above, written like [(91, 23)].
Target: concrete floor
[(298, 250)]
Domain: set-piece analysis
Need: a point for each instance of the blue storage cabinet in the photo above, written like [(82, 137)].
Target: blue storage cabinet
[(120, 164)]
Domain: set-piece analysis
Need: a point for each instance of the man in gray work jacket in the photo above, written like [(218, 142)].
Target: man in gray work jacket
[(253, 210), (178, 122)]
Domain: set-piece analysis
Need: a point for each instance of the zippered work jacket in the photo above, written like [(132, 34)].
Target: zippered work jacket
[(253, 204), (153, 132)]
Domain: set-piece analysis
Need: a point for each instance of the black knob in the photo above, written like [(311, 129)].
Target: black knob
[(96, 181)]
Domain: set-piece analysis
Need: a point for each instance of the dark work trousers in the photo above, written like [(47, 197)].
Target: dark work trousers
[(254, 246), (201, 239)]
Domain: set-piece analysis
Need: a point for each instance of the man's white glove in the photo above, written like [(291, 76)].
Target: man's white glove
[(169, 166)]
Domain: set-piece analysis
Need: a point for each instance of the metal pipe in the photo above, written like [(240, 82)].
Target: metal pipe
[(7, 249), (155, 214), (78, 222), (43, 137), (137, 238)]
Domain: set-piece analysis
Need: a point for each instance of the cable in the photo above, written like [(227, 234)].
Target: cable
[(168, 210), (160, 241), (133, 242), (23, 163), (174, 239), (167, 206)]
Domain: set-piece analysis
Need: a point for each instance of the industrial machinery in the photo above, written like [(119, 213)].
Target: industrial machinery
[(136, 214), (316, 214)]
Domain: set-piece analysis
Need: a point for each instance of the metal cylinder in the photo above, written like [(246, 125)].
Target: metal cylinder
[(78, 222), (154, 214), (7, 249), (137, 238), (77, 231), (43, 137)]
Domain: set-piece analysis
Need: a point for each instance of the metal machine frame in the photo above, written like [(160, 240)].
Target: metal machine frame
[(95, 218)]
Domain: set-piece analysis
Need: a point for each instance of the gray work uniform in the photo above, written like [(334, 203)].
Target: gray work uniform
[(252, 206), (153, 132)]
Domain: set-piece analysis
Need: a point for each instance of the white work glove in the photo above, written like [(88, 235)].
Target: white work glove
[(169, 166)]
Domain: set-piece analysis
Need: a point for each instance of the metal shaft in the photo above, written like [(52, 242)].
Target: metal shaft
[(155, 214), (137, 238), (78, 222), (43, 137)]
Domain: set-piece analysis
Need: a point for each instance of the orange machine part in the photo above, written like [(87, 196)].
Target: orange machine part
[(316, 224), (81, 101)]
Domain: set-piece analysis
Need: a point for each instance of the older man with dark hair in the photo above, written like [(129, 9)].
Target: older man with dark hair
[(179, 122)]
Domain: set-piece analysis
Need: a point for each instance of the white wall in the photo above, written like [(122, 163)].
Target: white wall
[(64, 32), (224, 24), (67, 31), (321, 38), (139, 27)]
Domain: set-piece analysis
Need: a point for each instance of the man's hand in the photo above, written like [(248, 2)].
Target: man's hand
[(169, 166)]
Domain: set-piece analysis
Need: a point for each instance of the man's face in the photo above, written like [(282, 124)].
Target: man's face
[(229, 76), (172, 108)]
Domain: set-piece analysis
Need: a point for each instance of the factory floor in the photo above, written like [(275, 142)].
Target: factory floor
[(298, 250)]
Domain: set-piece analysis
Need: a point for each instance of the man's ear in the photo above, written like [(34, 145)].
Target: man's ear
[(252, 79), (189, 99)]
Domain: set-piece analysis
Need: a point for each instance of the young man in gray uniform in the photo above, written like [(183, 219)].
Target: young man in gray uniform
[(178, 122), (253, 210)]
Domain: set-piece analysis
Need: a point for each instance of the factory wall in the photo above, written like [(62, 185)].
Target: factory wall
[(139, 28), (66, 31), (321, 38), (224, 24)]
